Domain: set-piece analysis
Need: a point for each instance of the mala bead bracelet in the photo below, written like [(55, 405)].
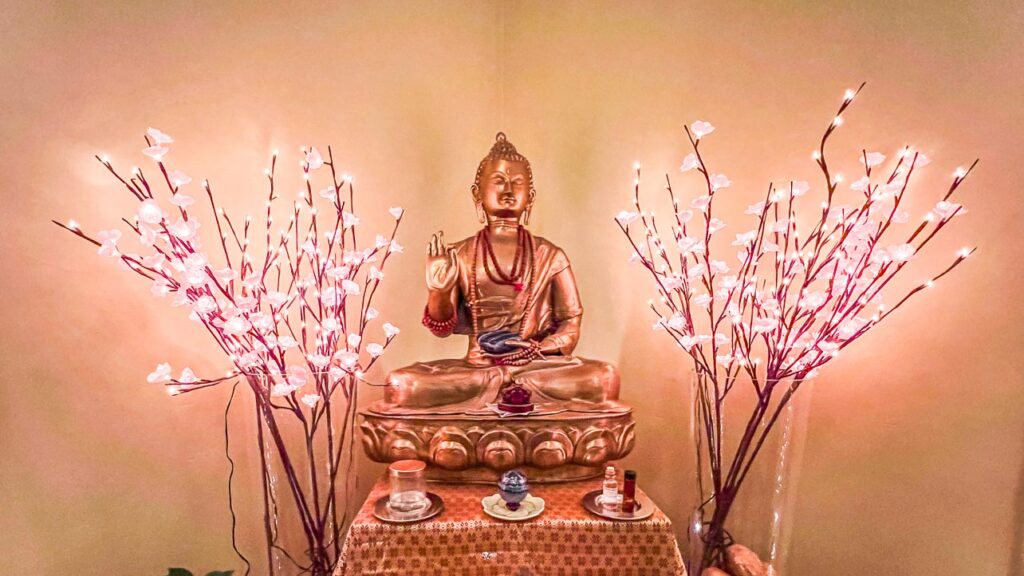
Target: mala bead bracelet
[(520, 357), (441, 329)]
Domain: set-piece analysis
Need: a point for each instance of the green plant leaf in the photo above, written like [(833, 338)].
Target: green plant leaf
[(178, 572)]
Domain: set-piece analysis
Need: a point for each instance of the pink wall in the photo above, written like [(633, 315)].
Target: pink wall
[(913, 453)]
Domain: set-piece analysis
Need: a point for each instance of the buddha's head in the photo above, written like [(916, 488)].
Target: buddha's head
[(504, 184)]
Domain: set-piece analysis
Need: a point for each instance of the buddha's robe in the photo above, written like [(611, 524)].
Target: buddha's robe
[(559, 381)]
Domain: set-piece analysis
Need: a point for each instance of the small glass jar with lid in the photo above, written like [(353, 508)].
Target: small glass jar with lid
[(408, 486)]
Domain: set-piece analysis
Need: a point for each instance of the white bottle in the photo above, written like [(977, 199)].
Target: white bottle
[(610, 490)]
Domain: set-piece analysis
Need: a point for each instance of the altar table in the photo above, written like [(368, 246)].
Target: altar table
[(565, 540)]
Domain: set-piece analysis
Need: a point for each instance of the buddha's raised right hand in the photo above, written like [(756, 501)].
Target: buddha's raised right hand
[(442, 271)]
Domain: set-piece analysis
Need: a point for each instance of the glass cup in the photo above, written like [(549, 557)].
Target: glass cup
[(408, 487)]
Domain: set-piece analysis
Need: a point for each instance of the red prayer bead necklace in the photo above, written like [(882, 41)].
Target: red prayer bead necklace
[(520, 260)]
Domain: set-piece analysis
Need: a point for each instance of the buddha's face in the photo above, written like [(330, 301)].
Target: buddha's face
[(505, 189)]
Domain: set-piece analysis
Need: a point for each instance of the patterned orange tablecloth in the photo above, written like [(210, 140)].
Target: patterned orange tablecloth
[(463, 541)]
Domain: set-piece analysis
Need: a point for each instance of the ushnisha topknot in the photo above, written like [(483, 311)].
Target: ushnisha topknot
[(503, 150)]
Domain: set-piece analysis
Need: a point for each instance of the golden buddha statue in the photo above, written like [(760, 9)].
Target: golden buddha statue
[(515, 295)]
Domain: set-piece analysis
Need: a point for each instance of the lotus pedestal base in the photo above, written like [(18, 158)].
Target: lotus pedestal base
[(558, 447)]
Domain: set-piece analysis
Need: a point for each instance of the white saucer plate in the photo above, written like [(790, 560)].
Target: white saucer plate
[(530, 507)]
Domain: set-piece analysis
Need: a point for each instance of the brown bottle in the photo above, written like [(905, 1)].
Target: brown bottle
[(629, 492)]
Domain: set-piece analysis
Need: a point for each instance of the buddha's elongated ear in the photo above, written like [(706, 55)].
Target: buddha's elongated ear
[(481, 216), (529, 206)]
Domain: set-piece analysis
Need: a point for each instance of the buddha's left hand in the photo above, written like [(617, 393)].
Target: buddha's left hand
[(528, 351)]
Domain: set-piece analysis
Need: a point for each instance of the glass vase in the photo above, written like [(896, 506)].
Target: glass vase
[(297, 484), (747, 440)]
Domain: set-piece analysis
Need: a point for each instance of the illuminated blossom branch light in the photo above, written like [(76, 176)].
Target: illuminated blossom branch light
[(788, 302), (292, 309)]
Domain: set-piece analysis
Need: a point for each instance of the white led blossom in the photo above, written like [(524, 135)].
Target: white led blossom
[(689, 163), (701, 129), (161, 375), (156, 152), (627, 217)]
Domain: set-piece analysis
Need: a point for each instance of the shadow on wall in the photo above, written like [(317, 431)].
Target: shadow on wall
[(1017, 545), (652, 366)]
